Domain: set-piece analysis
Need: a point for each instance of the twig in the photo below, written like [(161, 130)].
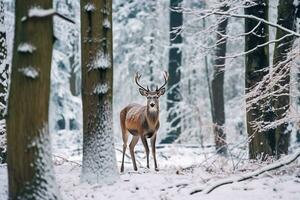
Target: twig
[(66, 160), (280, 163)]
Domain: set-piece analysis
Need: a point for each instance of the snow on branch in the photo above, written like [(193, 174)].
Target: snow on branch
[(280, 163), (29, 72), (89, 7), (106, 24), (38, 12), (257, 19), (101, 61), (101, 89), (26, 48)]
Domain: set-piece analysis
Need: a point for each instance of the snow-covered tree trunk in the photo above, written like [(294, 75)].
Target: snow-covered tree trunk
[(286, 18), (30, 168), (175, 60), (3, 83), (99, 160), (217, 85), (256, 63)]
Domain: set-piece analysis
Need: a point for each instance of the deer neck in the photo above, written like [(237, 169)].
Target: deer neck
[(152, 117)]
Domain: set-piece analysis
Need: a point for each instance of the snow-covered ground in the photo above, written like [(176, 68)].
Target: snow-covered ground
[(182, 170)]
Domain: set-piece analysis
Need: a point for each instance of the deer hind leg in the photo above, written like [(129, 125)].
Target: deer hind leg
[(124, 135), (125, 139), (153, 140), (132, 144), (144, 140)]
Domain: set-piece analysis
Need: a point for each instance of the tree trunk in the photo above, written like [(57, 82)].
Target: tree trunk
[(3, 83), (175, 54), (99, 161), (30, 169), (256, 61), (217, 85), (286, 18)]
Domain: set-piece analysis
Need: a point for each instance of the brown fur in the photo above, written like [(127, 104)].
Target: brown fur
[(141, 123)]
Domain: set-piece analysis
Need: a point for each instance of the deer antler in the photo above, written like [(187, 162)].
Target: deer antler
[(137, 78), (166, 76)]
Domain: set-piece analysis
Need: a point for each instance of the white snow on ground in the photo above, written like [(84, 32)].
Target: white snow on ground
[(182, 169)]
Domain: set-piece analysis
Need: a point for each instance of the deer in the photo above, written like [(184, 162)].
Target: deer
[(142, 121)]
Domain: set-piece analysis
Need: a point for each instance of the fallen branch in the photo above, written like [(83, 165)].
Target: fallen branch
[(280, 163), (66, 160)]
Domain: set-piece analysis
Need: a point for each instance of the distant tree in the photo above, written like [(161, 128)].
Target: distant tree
[(3, 83), (175, 60), (99, 161), (257, 61), (217, 85), (281, 101), (30, 168)]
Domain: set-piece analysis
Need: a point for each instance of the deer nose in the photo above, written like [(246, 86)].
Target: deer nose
[(152, 104)]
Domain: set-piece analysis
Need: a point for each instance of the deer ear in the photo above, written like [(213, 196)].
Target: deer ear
[(143, 92), (161, 92)]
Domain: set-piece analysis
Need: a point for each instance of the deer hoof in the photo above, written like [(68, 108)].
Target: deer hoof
[(156, 169), (135, 169)]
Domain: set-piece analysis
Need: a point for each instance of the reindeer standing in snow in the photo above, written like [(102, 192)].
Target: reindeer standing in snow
[(142, 121)]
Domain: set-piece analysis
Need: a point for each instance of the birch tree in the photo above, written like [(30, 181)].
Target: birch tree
[(99, 161), (3, 83), (30, 169)]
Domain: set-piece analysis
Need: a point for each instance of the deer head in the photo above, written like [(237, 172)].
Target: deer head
[(152, 96)]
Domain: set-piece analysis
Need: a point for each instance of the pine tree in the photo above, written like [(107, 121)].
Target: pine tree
[(30, 169), (99, 161)]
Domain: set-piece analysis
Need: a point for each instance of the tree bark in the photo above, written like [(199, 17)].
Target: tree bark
[(30, 169), (3, 83), (256, 63), (217, 85), (99, 161), (286, 18), (175, 60)]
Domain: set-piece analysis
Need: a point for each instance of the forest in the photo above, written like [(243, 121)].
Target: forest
[(149, 99)]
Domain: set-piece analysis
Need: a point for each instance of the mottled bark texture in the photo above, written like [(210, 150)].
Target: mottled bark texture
[(217, 85), (175, 60), (99, 161), (3, 83), (256, 64), (281, 101), (30, 169)]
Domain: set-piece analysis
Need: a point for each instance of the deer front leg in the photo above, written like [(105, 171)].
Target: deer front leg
[(124, 151), (153, 141), (144, 140), (132, 144)]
